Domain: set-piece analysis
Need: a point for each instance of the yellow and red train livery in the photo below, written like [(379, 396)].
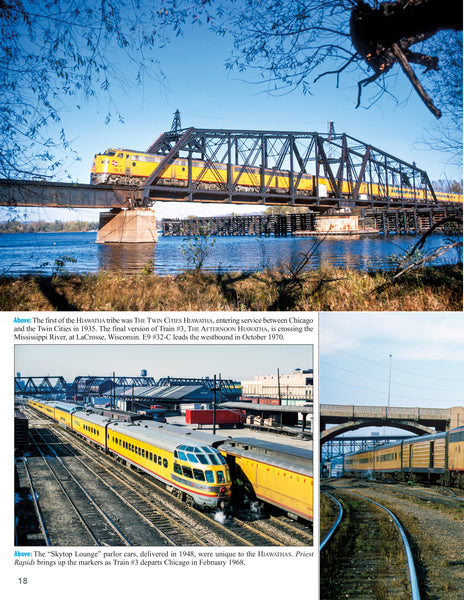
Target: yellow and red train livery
[(438, 457), (129, 167)]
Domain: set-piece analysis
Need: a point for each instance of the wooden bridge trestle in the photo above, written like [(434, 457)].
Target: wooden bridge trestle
[(380, 221)]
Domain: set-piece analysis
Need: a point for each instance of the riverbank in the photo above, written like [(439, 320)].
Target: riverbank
[(325, 289)]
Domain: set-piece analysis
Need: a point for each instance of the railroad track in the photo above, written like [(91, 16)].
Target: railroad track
[(334, 523), (367, 553), (177, 523), (436, 496)]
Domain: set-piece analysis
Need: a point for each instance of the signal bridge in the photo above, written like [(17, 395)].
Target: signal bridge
[(279, 168)]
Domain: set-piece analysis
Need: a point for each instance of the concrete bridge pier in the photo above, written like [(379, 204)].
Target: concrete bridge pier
[(127, 226)]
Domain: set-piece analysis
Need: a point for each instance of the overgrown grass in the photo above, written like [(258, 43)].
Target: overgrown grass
[(326, 289)]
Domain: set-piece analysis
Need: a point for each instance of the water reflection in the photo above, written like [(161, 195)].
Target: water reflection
[(41, 253), (127, 258)]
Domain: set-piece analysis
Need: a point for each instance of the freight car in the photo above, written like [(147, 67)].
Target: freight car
[(277, 474), (197, 474), (21, 432), (437, 458), (224, 417), (129, 167)]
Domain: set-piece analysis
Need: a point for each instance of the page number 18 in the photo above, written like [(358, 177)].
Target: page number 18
[(22, 580)]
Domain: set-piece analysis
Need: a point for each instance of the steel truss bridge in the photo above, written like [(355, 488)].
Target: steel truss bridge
[(338, 159), (91, 385), (50, 385)]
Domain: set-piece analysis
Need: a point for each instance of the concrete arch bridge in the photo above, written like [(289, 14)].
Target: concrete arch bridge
[(419, 421)]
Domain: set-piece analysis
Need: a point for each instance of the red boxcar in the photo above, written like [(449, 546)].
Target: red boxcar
[(223, 417)]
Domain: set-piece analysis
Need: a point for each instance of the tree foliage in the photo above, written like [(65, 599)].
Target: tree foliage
[(56, 54), (294, 43)]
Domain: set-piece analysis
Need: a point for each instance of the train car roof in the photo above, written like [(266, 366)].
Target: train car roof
[(167, 437), (279, 455), (68, 407), (91, 417), (200, 437), (416, 438)]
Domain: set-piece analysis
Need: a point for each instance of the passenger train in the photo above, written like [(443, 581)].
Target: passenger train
[(128, 167), (435, 458), (277, 474), (194, 471), (197, 466)]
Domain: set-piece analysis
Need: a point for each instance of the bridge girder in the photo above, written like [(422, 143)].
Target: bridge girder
[(344, 162), (411, 426), (40, 385), (338, 158)]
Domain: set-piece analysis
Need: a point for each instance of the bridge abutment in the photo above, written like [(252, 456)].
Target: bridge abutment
[(131, 226)]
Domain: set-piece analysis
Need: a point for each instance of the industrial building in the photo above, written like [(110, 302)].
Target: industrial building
[(287, 390)]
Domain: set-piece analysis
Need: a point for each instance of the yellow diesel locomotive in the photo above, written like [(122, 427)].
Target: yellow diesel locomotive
[(197, 474), (129, 167), (438, 457)]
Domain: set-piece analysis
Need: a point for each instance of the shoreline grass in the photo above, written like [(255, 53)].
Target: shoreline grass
[(325, 289)]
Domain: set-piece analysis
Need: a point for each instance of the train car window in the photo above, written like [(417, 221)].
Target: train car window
[(143, 452), (220, 477), (182, 455), (159, 460), (198, 475), (209, 476), (154, 457), (165, 463), (189, 448), (213, 459), (177, 468), (187, 471), (140, 451), (120, 155), (202, 458), (192, 457), (151, 455)]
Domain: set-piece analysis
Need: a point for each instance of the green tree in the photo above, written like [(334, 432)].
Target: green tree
[(54, 54)]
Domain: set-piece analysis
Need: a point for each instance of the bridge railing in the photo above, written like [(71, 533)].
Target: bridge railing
[(383, 412)]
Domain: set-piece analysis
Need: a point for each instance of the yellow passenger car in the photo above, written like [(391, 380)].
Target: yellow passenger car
[(44, 406), (456, 456), (91, 426), (278, 474), (192, 470), (122, 166)]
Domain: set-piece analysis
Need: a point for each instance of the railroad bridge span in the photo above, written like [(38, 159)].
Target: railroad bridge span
[(357, 175), (416, 420)]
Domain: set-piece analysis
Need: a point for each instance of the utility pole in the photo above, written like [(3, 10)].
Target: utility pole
[(389, 381)]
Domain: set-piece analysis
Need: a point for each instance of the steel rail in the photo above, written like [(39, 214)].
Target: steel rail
[(84, 491), (415, 593), (335, 525), (36, 505), (134, 491)]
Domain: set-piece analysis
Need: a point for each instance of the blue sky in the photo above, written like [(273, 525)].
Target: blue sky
[(238, 362), (209, 96), (426, 366)]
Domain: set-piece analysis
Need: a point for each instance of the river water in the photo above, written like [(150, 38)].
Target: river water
[(45, 253)]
